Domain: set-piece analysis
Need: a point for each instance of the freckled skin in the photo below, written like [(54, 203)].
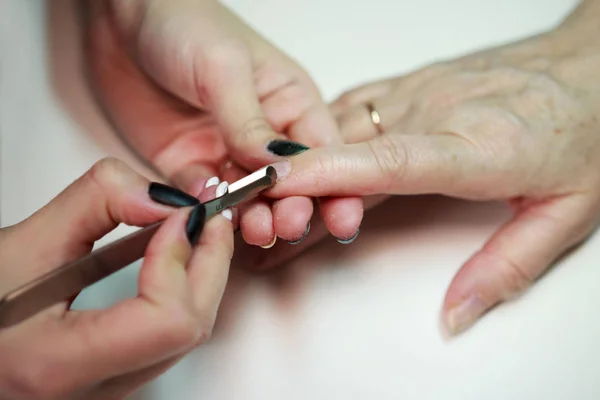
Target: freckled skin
[(517, 123)]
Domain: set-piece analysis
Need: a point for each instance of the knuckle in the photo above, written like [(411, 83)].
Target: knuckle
[(515, 278), (251, 129), (392, 158), (185, 331), (39, 380), (108, 172), (347, 99), (203, 335), (328, 168), (348, 121)]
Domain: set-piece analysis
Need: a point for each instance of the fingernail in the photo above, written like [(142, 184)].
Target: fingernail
[(228, 214), (212, 182), (350, 239), (283, 169), (170, 196), (459, 318), (195, 223), (285, 148), (270, 244), (221, 189), (304, 235)]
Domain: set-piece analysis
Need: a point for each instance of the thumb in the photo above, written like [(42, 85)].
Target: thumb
[(516, 256), (228, 82), (108, 194), (388, 164)]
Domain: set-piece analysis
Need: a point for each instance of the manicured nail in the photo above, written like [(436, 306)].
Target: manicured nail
[(459, 318), (285, 148), (170, 196), (212, 182), (195, 224), (304, 235), (270, 244), (283, 169), (228, 214), (221, 189), (350, 239)]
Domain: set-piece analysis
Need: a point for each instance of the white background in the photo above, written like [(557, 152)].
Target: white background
[(354, 322)]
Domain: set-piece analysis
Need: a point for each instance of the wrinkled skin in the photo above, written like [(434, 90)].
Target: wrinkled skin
[(519, 123)]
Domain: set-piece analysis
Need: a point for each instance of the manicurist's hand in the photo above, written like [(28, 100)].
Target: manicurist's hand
[(199, 94), (106, 354)]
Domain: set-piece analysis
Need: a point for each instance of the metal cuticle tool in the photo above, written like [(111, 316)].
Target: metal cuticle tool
[(70, 279)]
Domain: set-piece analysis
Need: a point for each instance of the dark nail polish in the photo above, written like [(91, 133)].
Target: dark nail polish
[(349, 240), (286, 148), (195, 224), (170, 196), (304, 235)]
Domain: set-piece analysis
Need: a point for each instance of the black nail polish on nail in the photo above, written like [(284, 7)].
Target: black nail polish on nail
[(286, 148), (195, 224), (304, 235), (170, 196), (349, 240)]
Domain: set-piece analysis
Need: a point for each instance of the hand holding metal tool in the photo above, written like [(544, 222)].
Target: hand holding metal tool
[(70, 279)]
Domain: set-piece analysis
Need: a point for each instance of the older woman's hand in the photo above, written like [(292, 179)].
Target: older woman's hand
[(519, 123), (106, 354)]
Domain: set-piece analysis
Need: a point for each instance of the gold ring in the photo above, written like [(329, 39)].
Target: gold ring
[(375, 117)]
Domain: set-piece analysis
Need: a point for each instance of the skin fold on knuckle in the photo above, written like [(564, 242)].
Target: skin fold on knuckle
[(107, 176), (328, 168), (392, 159), (184, 329), (514, 279), (109, 173), (252, 129)]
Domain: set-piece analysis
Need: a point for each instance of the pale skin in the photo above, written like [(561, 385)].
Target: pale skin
[(492, 125), (108, 353), (197, 93), (519, 123)]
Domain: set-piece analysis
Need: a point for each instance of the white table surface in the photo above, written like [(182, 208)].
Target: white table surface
[(354, 322)]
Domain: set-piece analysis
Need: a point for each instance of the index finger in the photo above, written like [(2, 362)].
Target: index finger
[(172, 313), (231, 94), (391, 164), (298, 109)]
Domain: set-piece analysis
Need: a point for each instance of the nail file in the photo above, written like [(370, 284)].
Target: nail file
[(68, 280)]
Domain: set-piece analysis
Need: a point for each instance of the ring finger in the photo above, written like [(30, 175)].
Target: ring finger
[(365, 121)]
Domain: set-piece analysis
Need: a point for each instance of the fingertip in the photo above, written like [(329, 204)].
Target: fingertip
[(256, 224), (342, 216), (291, 217), (458, 317)]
